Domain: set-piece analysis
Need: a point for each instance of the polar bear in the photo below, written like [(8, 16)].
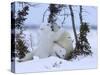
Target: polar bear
[(56, 43), (46, 39), (64, 41), (50, 40), (58, 51), (45, 44)]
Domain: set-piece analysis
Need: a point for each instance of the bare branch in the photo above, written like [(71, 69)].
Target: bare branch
[(44, 14), (31, 41), (86, 12), (64, 18), (65, 15), (80, 15), (30, 4)]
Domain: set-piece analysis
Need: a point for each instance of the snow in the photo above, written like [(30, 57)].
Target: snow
[(54, 63)]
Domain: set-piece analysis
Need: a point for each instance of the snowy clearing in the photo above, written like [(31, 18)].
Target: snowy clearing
[(55, 64)]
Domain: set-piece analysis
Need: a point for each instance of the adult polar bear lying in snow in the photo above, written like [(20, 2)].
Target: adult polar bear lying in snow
[(48, 41)]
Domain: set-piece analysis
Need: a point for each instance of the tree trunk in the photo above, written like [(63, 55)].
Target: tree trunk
[(80, 15), (73, 23)]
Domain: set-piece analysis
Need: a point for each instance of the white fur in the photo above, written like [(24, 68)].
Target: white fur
[(64, 40), (46, 45), (45, 42), (58, 51)]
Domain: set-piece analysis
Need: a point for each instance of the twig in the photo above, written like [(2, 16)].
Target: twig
[(63, 19), (31, 41), (64, 15), (27, 3), (44, 15), (32, 5), (80, 15), (84, 11)]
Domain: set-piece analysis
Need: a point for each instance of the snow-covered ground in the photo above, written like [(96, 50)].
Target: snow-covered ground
[(54, 63)]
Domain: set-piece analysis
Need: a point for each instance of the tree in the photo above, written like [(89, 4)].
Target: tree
[(20, 45), (82, 45), (21, 17), (54, 11), (73, 23), (73, 53), (21, 48)]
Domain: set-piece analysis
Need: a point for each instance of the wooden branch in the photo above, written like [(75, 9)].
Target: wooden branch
[(80, 15), (64, 18), (31, 41), (27, 3), (44, 14), (65, 15), (32, 5)]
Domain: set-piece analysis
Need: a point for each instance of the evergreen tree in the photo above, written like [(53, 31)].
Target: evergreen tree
[(84, 29), (54, 11), (82, 46), (21, 17), (21, 48)]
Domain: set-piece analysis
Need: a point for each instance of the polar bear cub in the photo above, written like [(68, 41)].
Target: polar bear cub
[(45, 44), (63, 39), (58, 51)]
